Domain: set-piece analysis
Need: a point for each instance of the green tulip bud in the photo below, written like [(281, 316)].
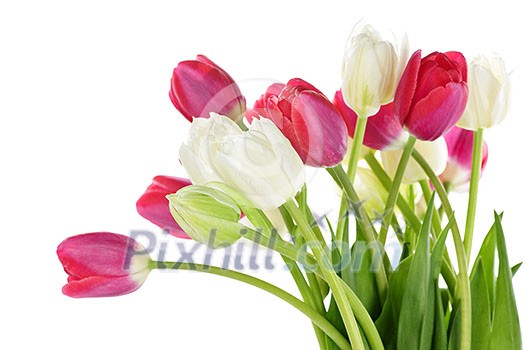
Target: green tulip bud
[(207, 215)]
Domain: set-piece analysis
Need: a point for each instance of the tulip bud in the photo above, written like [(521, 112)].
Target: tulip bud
[(489, 87), (307, 118), (102, 264), (432, 94), (383, 130), (199, 87), (435, 153), (457, 174), (260, 163), (154, 206), (207, 215), (371, 70)]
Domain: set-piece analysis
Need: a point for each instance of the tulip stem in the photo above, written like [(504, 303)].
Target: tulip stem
[(359, 135), (366, 225), (448, 272), (310, 264), (463, 278), (403, 205), (473, 191), (394, 189), (330, 275), (316, 317)]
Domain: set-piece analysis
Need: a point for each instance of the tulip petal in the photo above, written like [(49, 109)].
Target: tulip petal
[(99, 253), (461, 63), (100, 286), (319, 129), (407, 87), (434, 115)]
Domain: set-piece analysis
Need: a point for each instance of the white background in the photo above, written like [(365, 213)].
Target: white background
[(86, 122)]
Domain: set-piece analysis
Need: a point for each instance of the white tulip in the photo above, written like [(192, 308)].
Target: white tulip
[(489, 93), (371, 70), (259, 163), (434, 152)]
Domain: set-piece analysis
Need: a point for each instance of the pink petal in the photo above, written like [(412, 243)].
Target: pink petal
[(407, 87), (434, 115), (97, 253), (460, 63), (319, 129), (100, 286)]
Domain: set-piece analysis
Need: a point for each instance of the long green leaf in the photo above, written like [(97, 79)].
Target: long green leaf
[(481, 309), (416, 305), (506, 327)]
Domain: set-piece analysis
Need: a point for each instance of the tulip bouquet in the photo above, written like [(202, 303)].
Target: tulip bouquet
[(399, 135)]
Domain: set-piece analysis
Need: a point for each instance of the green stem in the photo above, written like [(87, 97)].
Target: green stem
[(367, 227), (473, 191), (331, 276), (308, 261), (436, 221), (464, 283), (403, 205), (394, 189), (408, 213), (309, 293), (359, 135), (316, 318)]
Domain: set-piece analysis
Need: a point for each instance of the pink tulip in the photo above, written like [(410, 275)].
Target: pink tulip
[(383, 130), (102, 264), (307, 118), (199, 87), (432, 94), (460, 143), (154, 206)]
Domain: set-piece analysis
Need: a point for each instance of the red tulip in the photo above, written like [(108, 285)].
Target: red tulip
[(432, 94), (307, 118), (154, 206), (199, 87), (383, 130), (102, 264), (460, 143)]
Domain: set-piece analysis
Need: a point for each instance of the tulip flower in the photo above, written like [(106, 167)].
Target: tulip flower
[(371, 70), (489, 88), (154, 206), (432, 94), (199, 87), (307, 118), (457, 174), (102, 264), (383, 130), (435, 152), (207, 215), (260, 163)]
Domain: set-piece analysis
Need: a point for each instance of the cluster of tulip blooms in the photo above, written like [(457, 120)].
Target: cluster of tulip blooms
[(399, 135)]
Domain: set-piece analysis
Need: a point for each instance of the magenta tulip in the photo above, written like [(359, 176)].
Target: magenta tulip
[(307, 118), (102, 264), (460, 143), (432, 94), (154, 206), (383, 130), (199, 87)]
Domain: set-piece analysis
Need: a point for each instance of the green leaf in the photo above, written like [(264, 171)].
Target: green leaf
[(481, 310), (439, 341), (360, 273), (506, 327), (486, 255), (335, 318), (515, 268), (416, 304), (389, 319)]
